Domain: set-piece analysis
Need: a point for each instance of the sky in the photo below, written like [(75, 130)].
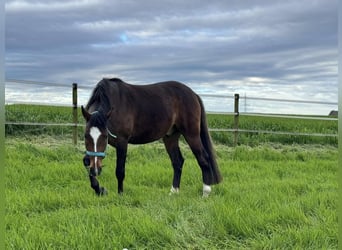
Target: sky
[(261, 48)]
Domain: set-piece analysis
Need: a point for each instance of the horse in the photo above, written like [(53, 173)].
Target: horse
[(119, 113)]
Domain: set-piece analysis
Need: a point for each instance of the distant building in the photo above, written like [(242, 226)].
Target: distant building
[(333, 113)]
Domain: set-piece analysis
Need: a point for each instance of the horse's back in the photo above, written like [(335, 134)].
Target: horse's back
[(166, 89), (149, 112), (170, 97), (161, 95)]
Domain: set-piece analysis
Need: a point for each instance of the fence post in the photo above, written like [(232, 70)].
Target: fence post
[(74, 113), (236, 118)]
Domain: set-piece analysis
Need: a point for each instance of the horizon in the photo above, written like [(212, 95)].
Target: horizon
[(214, 103)]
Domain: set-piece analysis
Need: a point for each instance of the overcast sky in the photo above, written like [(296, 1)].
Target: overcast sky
[(275, 49)]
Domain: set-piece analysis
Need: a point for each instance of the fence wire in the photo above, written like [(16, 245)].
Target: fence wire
[(271, 132)]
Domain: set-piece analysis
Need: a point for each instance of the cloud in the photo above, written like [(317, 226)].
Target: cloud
[(258, 47), (48, 6)]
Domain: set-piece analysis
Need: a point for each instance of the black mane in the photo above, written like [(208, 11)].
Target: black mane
[(99, 98), (115, 79)]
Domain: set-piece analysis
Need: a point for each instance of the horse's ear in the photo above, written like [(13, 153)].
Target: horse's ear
[(85, 113), (109, 113)]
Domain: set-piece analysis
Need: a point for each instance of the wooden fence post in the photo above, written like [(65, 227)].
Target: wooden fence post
[(236, 118), (74, 113)]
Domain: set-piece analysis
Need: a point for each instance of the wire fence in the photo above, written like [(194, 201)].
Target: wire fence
[(69, 94)]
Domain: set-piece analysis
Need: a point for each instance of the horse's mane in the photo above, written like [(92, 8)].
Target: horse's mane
[(99, 97), (114, 79)]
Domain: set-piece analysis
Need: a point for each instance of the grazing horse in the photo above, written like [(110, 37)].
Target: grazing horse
[(119, 113)]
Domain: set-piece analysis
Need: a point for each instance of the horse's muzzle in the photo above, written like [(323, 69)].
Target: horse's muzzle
[(94, 171)]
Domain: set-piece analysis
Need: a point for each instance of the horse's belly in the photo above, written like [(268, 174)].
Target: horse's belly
[(154, 129), (142, 139)]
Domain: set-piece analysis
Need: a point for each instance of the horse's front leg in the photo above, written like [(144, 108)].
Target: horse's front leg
[(96, 186), (93, 181), (121, 153)]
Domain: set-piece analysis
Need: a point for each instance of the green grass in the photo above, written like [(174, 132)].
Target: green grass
[(274, 124), (38, 114), (51, 114), (273, 197)]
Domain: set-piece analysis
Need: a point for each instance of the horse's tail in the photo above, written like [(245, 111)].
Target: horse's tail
[(215, 175)]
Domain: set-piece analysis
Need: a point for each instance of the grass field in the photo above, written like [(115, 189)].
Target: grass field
[(273, 196)]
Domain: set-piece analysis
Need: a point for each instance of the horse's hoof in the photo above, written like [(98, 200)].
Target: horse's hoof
[(174, 191), (206, 190), (102, 192)]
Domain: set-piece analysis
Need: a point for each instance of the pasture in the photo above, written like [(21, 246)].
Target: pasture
[(278, 192), (273, 196)]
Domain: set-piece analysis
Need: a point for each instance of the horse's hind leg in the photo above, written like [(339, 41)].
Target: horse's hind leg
[(177, 160), (202, 158)]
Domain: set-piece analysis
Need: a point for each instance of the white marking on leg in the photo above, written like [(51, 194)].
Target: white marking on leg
[(174, 191), (95, 134), (206, 190)]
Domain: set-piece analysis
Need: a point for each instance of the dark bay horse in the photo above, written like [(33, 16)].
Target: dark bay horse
[(119, 113)]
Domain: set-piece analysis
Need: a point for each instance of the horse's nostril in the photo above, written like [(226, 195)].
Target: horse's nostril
[(86, 161)]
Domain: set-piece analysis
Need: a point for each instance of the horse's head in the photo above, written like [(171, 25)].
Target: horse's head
[(96, 140)]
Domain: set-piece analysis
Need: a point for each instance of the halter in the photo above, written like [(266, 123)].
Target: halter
[(111, 134), (96, 154), (100, 154)]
